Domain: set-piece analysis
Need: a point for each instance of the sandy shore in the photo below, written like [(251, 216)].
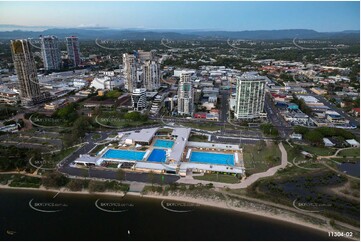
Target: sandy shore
[(62, 190), (222, 204)]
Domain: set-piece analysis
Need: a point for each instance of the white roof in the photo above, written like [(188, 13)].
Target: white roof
[(352, 142), (327, 141), (144, 135), (180, 143)]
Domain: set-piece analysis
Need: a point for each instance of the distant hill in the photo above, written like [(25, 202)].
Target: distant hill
[(136, 34)]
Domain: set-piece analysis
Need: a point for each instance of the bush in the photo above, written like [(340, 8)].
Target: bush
[(96, 186), (75, 185), (54, 180)]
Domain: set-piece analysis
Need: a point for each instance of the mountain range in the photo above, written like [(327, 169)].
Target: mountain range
[(140, 34)]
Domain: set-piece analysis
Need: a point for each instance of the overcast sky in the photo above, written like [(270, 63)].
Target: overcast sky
[(320, 16)]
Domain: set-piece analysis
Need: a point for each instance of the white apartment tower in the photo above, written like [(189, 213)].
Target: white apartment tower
[(50, 52), (139, 99), (72, 46), (185, 95), (151, 75), (250, 96), (130, 71), (141, 69)]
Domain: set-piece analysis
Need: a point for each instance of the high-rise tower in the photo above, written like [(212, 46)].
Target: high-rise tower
[(26, 71), (250, 96), (72, 46), (50, 52), (185, 95)]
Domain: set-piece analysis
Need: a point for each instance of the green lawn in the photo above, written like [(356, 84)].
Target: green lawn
[(120, 122), (53, 159), (260, 157), (217, 178), (292, 153), (199, 138), (96, 136), (4, 178), (349, 152), (25, 181), (97, 149), (321, 151)]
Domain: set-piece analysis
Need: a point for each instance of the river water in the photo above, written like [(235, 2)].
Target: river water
[(35, 215)]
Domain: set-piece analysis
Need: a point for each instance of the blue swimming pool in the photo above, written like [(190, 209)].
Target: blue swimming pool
[(124, 154), (212, 158), (164, 143), (157, 155)]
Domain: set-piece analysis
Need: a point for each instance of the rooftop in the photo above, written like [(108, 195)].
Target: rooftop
[(144, 135), (181, 135)]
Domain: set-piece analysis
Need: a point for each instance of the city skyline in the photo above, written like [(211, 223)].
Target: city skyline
[(230, 16)]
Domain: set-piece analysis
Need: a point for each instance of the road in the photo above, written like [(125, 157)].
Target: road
[(332, 106), (276, 118), (110, 174), (224, 106)]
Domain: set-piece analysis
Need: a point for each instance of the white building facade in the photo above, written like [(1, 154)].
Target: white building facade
[(139, 99), (250, 96), (185, 95), (50, 52)]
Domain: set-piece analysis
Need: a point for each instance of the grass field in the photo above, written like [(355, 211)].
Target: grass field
[(198, 138), (53, 159), (350, 152), (260, 157), (292, 153), (217, 178), (97, 149), (25, 181), (322, 151)]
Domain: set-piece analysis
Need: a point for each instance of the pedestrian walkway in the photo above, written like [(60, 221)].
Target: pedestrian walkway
[(136, 187)]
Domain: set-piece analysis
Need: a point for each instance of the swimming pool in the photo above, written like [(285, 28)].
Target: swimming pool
[(124, 154), (212, 158), (157, 155), (164, 143)]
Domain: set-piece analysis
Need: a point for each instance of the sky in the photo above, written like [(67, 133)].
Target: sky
[(231, 16)]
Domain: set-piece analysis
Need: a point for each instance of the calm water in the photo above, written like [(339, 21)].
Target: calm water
[(80, 219), (352, 169)]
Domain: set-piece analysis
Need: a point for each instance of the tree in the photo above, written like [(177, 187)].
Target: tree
[(96, 186), (301, 130), (75, 185), (151, 177), (121, 174), (54, 180), (314, 137)]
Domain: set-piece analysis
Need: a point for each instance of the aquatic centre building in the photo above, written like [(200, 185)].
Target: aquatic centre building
[(166, 150)]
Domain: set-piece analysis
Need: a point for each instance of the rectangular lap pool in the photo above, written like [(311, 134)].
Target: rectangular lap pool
[(212, 158), (124, 154), (157, 155), (164, 143)]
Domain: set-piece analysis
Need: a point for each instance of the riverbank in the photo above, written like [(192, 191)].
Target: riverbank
[(261, 210), (63, 190), (228, 205)]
